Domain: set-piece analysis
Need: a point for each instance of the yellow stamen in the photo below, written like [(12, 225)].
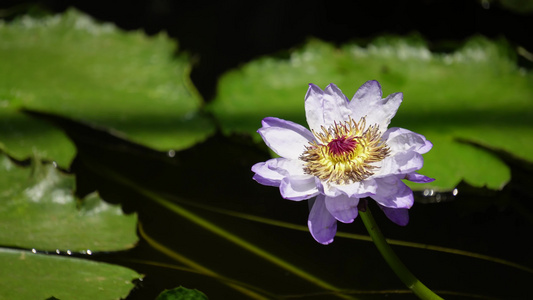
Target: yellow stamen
[(344, 153)]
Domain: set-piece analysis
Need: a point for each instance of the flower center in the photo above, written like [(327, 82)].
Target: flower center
[(345, 153), (342, 145)]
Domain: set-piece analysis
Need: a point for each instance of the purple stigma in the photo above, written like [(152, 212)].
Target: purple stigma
[(342, 145)]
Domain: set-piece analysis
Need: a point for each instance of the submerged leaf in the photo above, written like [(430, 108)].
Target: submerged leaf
[(476, 93), (71, 65)]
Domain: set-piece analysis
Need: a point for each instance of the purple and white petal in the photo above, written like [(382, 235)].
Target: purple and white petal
[(370, 91), (266, 176), (399, 216), (298, 188), (324, 108), (343, 208), (286, 138), (400, 163), (274, 170), (393, 193), (367, 102), (359, 189), (400, 139), (322, 225), (419, 178)]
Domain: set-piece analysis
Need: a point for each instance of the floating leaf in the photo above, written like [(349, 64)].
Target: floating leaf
[(26, 275), (181, 293), (71, 65), (476, 93), (38, 210)]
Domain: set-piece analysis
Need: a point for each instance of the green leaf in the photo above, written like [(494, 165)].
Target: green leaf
[(38, 210), (71, 65), (26, 275), (181, 293), (476, 93)]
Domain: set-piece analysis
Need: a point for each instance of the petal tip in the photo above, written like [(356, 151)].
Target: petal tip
[(397, 96), (373, 83), (313, 92), (315, 88), (320, 239)]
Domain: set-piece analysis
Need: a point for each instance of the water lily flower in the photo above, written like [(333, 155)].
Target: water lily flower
[(348, 153)]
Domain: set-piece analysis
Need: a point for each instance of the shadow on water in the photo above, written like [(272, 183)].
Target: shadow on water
[(203, 223)]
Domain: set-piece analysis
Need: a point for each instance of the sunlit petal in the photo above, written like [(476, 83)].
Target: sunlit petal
[(323, 108), (298, 187), (274, 170), (286, 138), (367, 102)]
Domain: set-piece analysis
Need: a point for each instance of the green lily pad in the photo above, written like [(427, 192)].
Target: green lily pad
[(38, 210), (26, 275), (73, 66), (476, 93), (181, 293)]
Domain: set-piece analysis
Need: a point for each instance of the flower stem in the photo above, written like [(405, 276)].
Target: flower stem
[(394, 262)]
